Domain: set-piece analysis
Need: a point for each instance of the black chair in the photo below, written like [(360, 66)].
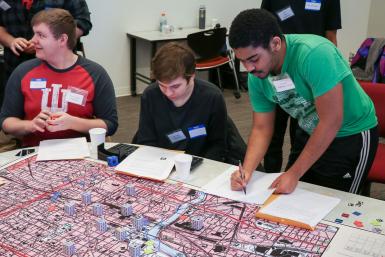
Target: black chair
[(211, 52)]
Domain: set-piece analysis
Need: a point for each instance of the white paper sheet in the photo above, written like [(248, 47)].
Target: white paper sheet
[(63, 149), (149, 162), (301, 205), (257, 190)]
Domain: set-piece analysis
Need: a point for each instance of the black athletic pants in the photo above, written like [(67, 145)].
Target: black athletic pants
[(345, 164)]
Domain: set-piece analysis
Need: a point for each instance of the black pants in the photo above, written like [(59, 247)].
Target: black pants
[(273, 158), (345, 164)]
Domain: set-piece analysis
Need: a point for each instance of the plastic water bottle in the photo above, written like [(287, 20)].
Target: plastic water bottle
[(202, 17), (162, 21)]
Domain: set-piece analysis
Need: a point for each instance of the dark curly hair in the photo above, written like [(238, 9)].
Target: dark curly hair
[(253, 27)]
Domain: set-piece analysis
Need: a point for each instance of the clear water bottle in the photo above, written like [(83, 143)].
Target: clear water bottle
[(162, 21), (202, 17)]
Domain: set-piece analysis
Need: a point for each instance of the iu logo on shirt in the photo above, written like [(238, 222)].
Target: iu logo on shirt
[(56, 91)]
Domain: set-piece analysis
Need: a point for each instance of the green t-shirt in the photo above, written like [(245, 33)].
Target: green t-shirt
[(315, 66)]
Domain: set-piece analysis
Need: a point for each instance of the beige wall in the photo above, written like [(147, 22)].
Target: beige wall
[(107, 43), (376, 25)]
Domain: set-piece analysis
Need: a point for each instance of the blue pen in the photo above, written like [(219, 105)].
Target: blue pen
[(242, 175)]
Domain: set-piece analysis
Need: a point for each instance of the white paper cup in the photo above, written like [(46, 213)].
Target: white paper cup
[(182, 166), (97, 136)]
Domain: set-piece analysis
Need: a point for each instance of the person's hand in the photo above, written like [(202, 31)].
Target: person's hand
[(39, 123), (18, 45), (59, 121), (285, 183), (30, 49), (237, 183)]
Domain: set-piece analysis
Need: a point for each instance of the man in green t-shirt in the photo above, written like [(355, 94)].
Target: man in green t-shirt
[(308, 77)]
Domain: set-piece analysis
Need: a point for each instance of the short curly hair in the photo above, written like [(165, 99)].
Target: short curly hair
[(253, 27)]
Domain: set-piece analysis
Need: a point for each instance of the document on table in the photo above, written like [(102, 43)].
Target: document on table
[(301, 208), (257, 190), (63, 149), (148, 162)]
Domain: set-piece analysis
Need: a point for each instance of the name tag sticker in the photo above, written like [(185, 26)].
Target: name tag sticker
[(313, 5), (176, 136), (38, 83), (197, 131), (4, 5), (282, 83), (285, 13), (76, 96)]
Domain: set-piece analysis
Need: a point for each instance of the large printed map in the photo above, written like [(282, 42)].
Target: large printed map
[(33, 221)]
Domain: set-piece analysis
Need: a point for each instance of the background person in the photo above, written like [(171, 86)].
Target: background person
[(321, 18)]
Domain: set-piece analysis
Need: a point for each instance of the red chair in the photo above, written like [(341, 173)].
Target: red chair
[(376, 92), (211, 52)]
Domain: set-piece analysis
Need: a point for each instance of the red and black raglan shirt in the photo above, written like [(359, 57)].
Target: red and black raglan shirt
[(83, 90), (16, 19)]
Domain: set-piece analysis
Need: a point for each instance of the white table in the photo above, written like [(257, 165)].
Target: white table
[(369, 209)]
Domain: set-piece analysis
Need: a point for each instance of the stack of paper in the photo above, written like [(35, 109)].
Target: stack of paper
[(257, 190), (148, 162), (301, 208), (63, 149)]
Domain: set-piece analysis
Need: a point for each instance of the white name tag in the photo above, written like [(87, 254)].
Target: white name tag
[(197, 131), (38, 83), (285, 14), (313, 5), (75, 98), (176, 136), (282, 83), (4, 5)]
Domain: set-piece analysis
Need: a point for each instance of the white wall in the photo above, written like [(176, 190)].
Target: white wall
[(107, 42), (108, 45), (376, 26), (355, 16)]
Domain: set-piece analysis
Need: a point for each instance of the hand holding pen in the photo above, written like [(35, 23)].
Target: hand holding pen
[(242, 176)]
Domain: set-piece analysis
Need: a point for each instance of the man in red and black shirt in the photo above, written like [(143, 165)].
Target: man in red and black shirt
[(16, 31), (59, 94)]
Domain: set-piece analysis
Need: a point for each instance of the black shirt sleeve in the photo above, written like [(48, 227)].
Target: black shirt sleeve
[(104, 102), (266, 5), (332, 15), (217, 132), (79, 10), (146, 134)]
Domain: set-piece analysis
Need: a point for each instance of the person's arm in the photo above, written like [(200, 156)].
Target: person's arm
[(332, 36), (332, 13), (217, 131), (146, 133), (265, 4), (330, 111), (18, 127), (104, 102), (17, 45), (79, 10), (259, 140)]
